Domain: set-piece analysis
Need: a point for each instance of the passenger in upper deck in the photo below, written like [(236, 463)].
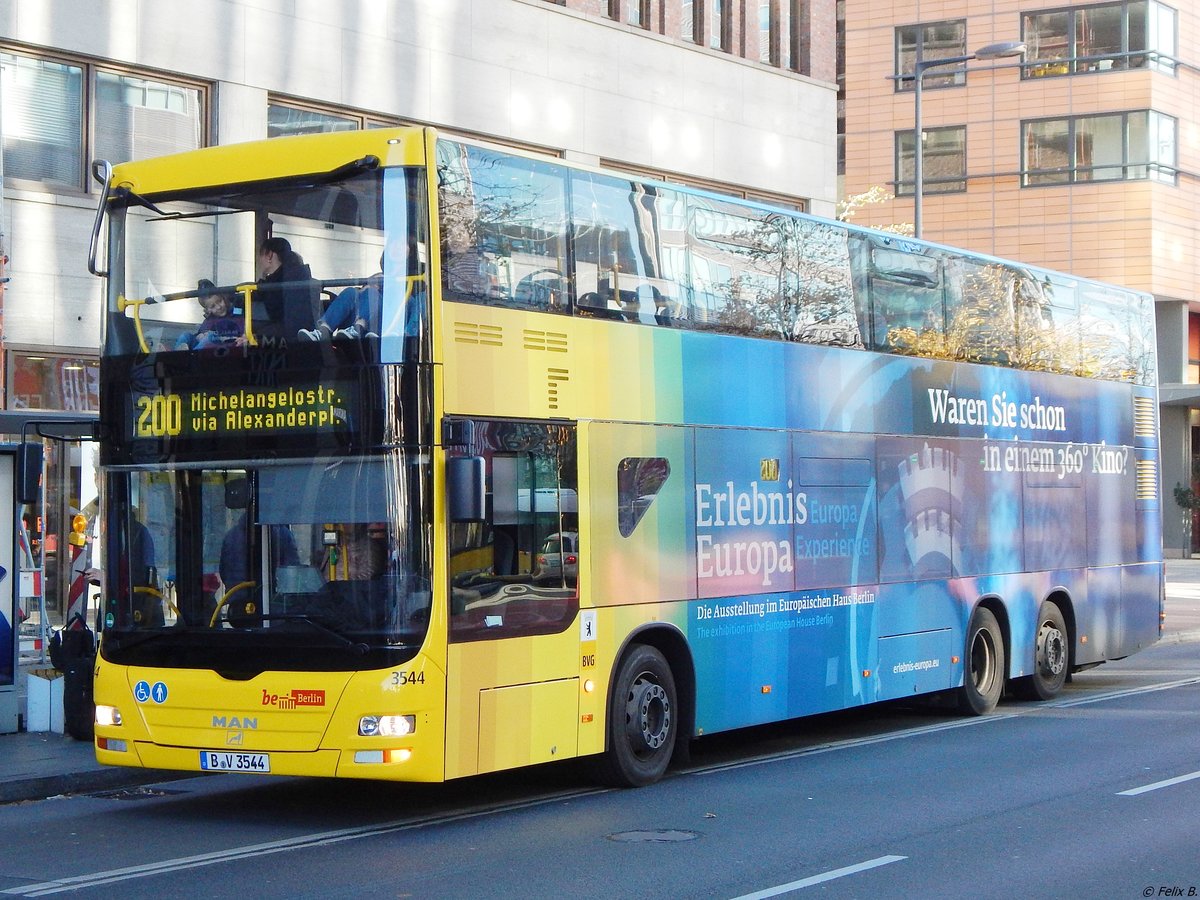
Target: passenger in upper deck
[(286, 290), (220, 325), (354, 313), (357, 311)]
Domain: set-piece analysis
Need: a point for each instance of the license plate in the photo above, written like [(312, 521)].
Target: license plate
[(222, 761)]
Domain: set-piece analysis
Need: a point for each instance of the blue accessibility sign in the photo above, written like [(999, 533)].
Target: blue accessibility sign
[(143, 692)]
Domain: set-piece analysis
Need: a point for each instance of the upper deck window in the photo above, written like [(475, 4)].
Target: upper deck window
[(541, 236), (354, 260), (503, 228)]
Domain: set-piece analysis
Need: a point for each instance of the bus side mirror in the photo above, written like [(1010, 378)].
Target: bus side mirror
[(29, 471), (466, 489)]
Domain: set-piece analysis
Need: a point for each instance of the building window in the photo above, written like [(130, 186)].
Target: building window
[(1112, 147), (284, 120), (943, 162), (638, 13), (43, 120), (53, 106), (287, 118), (774, 33), (46, 381), (136, 118), (1099, 38), (687, 21), (936, 40), (768, 30), (718, 33)]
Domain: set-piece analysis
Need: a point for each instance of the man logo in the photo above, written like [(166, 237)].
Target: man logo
[(235, 738)]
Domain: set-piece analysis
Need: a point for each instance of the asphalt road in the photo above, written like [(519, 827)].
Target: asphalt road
[(1091, 795)]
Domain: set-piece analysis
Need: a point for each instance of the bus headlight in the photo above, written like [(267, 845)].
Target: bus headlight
[(108, 715), (387, 726)]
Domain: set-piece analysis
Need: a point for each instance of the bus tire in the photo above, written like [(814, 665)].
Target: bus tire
[(1051, 658), (983, 665), (642, 721)]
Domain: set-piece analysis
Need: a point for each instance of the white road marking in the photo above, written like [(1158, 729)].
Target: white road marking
[(822, 878), (854, 742), (75, 882), (1146, 788), (94, 879), (1115, 695)]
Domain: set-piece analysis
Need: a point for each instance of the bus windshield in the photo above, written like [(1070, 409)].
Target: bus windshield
[(264, 382), (324, 553), (191, 271)]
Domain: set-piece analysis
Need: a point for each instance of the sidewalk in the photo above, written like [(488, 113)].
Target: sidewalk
[(35, 765)]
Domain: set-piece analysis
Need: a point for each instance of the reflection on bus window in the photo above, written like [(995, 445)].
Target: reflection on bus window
[(330, 546), (906, 301), (516, 572), (503, 228), (628, 261)]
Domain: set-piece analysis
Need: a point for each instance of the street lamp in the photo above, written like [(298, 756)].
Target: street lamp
[(991, 51)]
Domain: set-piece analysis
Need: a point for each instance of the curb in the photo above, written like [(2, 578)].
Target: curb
[(45, 787)]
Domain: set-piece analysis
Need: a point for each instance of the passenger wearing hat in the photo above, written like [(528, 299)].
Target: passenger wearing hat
[(220, 325)]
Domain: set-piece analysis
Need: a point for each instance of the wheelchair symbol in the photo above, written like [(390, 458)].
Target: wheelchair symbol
[(141, 692)]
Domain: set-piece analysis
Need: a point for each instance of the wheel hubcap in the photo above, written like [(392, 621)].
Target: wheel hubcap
[(1051, 650), (647, 715)]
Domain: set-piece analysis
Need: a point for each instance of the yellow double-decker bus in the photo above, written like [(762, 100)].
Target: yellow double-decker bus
[(424, 459)]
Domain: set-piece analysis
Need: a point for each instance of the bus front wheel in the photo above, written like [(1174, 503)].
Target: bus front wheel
[(642, 720), (983, 665), (1051, 657)]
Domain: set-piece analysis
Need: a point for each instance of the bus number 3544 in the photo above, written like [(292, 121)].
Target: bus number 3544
[(159, 416)]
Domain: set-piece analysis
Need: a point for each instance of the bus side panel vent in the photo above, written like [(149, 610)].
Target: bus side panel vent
[(475, 333), (555, 378), (552, 341), (1143, 417), (1146, 480)]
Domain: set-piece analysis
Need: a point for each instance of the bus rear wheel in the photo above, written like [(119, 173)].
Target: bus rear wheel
[(983, 665), (1051, 660), (642, 720)]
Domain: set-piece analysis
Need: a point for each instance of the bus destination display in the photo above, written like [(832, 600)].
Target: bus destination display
[(320, 409)]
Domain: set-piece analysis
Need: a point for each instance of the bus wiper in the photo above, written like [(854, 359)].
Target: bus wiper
[(137, 198), (163, 215), (358, 646)]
